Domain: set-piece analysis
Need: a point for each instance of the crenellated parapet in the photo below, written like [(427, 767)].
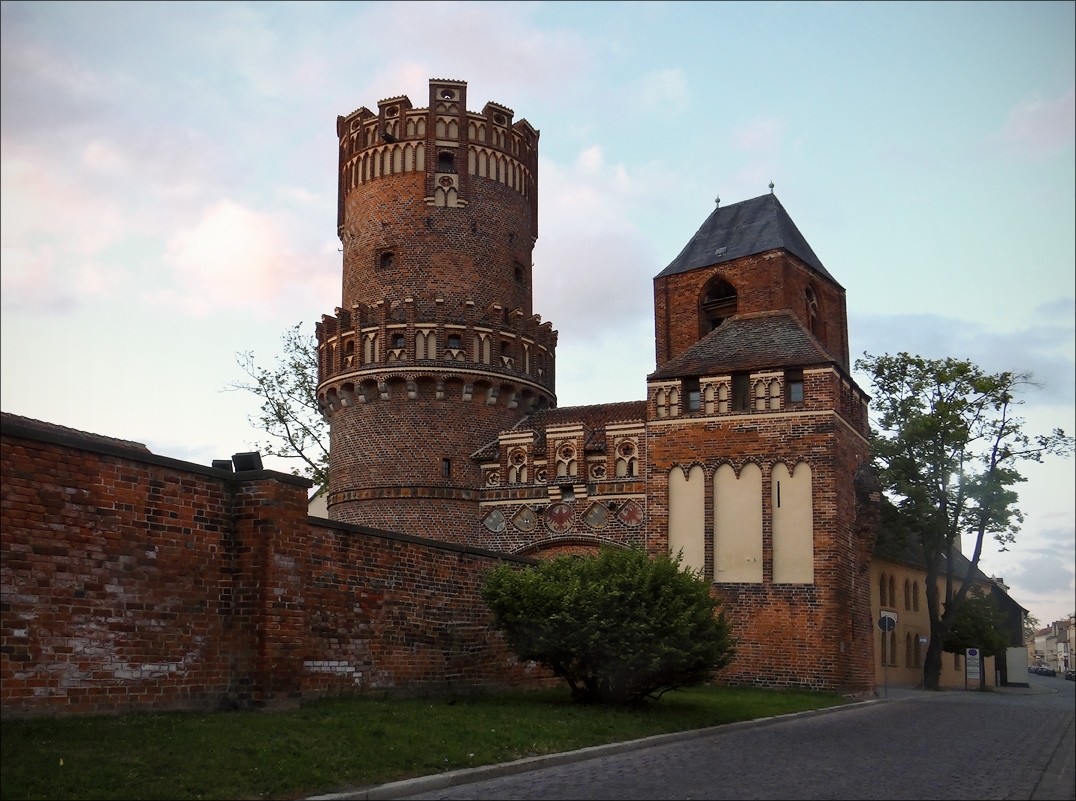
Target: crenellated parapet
[(451, 146)]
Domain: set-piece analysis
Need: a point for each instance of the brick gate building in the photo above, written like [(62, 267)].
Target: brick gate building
[(131, 580), (748, 454)]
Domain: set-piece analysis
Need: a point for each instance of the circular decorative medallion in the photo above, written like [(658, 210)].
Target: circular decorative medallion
[(558, 518), (597, 471)]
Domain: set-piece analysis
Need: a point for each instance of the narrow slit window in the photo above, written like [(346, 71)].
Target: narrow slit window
[(692, 395), (741, 392), (794, 386)]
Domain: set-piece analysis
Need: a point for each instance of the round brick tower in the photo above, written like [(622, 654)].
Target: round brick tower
[(434, 348)]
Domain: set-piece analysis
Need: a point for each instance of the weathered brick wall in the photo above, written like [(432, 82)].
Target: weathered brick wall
[(134, 581), (124, 581), (389, 611), (810, 635)]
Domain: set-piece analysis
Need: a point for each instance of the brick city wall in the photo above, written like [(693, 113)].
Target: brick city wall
[(134, 581)]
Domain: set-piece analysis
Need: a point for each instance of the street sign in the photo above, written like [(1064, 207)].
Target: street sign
[(971, 664), (888, 621)]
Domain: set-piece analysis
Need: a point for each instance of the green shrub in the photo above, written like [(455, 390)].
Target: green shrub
[(617, 627)]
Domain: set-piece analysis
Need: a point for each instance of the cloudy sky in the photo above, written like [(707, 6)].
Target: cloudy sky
[(169, 191)]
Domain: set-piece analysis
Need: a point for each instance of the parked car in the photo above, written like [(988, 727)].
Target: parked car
[(1042, 670), (1070, 674)]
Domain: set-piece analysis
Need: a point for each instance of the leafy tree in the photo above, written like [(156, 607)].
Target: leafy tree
[(289, 405), (947, 446), (618, 627), (980, 624), (1031, 627)]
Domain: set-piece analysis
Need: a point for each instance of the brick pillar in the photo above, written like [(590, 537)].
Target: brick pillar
[(271, 522)]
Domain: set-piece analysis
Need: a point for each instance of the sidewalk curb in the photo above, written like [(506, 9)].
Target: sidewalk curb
[(440, 781)]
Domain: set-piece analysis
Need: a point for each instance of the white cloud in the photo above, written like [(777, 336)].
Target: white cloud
[(102, 157), (592, 264), (1043, 349), (54, 236), (665, 91), (498, 41), (236, 258), (1038, 127), (761, 136)]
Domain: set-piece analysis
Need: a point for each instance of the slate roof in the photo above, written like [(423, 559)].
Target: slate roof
[(743, 229), (594, 417), (772, 340)]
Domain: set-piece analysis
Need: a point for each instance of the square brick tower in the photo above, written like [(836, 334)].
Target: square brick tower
[(757, 442)]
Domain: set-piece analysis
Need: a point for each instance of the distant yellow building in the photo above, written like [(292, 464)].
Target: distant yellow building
[(898, 591)]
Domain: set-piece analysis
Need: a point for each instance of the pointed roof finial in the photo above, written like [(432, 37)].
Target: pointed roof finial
[(717, 200), (771, 187)]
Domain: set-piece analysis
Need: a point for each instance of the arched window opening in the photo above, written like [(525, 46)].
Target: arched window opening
[(892, 591), (387, 260), (398, 340), (717, 304), (915, 597), (907, 595), (627, 460), (446, 162), (567, 466)]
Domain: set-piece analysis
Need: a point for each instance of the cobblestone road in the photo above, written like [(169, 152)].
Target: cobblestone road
[(912, 744)]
